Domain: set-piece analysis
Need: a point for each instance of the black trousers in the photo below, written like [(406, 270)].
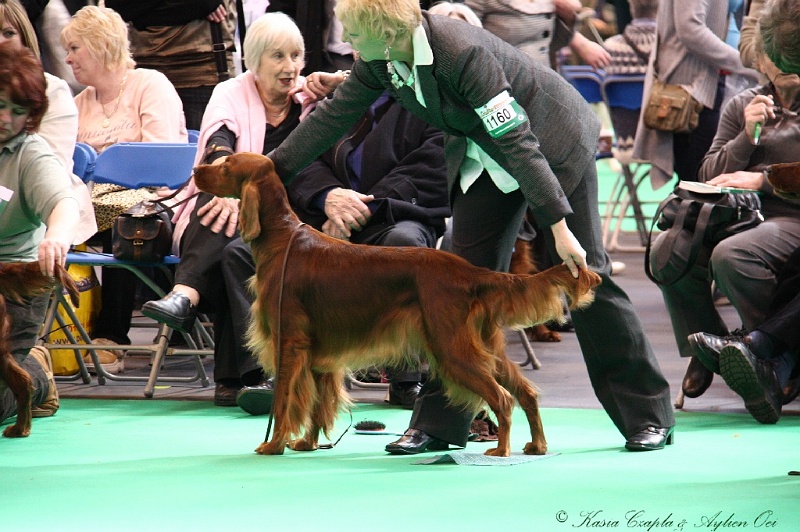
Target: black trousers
[(688, 149), (784, 313), (201, 267), (622, 366)]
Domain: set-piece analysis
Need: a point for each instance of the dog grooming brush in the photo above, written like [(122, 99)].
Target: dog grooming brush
[(373, 427)]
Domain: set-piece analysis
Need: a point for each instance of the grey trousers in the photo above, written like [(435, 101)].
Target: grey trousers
[(27, 319), (622, 367)]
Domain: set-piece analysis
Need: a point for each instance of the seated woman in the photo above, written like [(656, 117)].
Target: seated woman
[(39, 213), (744, 266), (253, 112), (120, 104)]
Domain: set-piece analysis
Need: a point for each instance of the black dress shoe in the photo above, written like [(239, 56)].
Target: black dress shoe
[(256, 400), (651, 439), (707, 347), (403, 394), (225, 395), (174, 309), (697, 379), (415, 441), (754, 380)]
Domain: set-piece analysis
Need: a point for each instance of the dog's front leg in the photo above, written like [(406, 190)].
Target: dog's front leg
[(20, 384)]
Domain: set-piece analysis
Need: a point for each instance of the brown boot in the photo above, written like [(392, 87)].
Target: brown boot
[(49, 406)]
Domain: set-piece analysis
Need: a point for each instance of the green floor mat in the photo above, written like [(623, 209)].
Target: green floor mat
[(187, 465)]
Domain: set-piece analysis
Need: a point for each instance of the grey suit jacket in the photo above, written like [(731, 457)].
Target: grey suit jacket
[(547, 155)]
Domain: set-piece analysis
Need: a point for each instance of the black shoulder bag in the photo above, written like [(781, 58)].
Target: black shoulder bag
[(694, 222)]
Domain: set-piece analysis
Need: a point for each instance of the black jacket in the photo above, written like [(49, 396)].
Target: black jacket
[(403, 167)]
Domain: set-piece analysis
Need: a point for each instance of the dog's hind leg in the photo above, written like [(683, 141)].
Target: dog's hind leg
[(512, 379), (20, 384)]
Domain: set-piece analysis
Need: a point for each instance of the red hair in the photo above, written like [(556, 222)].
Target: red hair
[(22, 80)]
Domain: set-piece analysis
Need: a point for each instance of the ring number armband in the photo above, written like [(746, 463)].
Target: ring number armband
[(501, 114)]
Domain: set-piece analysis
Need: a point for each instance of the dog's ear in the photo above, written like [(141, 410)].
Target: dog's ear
[(249, 223)]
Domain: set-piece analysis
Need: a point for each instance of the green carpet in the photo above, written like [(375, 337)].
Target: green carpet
[(187, 465)]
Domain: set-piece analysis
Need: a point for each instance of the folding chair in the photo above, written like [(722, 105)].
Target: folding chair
[(194, 136), (135, 165), (586, 80), (83, 159), (623, 96)]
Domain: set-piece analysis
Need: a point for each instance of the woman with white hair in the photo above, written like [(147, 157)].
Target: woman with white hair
[(252, 112)]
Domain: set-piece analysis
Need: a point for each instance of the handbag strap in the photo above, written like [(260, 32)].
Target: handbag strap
[(220, 57), (698, 235), (644, 57), (161, 201)]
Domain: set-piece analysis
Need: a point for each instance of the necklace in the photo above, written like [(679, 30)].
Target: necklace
[(277, 116), (107, 121)]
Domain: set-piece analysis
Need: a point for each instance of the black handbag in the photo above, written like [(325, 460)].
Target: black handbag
[(143, 233), (693, 223)]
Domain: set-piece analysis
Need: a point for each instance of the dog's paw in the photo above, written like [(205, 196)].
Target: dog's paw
[(540, 333), (270, 448), (534, 448), (15, 431), (497, 451), (303, 445)]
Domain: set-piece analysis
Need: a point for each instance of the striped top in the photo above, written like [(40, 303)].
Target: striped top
[(525, 24)]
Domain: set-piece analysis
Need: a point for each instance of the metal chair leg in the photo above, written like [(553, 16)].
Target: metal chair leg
[(532, 360)]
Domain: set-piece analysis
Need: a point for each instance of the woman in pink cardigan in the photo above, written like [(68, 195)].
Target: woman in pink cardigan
[(253, 112)]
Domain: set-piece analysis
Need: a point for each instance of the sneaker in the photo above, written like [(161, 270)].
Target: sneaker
[(49, 406), (109, 360)]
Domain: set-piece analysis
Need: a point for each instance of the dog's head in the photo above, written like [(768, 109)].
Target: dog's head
[(238, 177)]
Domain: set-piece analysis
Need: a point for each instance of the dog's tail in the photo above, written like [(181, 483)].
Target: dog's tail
[(23, 279), (525, 300)]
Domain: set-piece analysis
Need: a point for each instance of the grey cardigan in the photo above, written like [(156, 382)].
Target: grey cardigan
[(691, 52), (547, 155)]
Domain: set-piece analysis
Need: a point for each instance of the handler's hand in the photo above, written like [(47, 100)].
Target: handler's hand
[(568, 248), (318, 85), (52, 251)]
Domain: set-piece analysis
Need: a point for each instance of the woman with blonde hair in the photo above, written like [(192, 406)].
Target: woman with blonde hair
[(120, 104), (517, 136)]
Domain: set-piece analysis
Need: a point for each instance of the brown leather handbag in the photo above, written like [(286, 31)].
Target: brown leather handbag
[(670, 107)]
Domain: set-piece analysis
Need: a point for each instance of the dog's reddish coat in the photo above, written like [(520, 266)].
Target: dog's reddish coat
[(346, 305), (17, 281)]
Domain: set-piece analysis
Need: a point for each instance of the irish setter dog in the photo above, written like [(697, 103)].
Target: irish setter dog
[(19, 280), (323, 305)]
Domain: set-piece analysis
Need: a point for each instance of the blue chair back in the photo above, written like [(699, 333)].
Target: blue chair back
[(83, 159), (586, 80), (145, 164), (624, 90), (194, 136)]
